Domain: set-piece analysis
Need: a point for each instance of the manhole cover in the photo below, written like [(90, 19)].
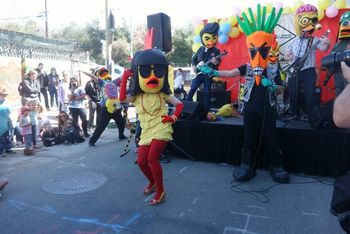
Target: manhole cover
[(72, 183)]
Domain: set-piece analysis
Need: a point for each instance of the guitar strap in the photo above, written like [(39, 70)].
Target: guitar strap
[(298, 64)]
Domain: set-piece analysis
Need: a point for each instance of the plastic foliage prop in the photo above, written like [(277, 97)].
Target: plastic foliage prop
[(260, 23)]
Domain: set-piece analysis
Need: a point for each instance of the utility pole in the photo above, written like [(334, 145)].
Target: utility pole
[(108, 38), (46, 21)]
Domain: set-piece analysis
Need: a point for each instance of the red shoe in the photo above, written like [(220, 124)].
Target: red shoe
[(3, 183), (161, 199), (149, 189)]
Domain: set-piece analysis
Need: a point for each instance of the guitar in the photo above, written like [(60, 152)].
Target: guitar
[(219, 56), (295, 67)]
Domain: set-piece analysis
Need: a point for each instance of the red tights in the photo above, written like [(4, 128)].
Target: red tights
[(148, 161)]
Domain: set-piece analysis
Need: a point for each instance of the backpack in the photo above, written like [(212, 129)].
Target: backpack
[(21, 88)]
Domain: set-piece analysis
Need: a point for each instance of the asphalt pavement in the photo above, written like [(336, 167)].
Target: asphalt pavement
[(81, 189)]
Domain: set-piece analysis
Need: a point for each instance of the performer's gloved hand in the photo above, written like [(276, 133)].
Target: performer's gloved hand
[(207, 70), (175, 116), (266, 82), (127, 73)]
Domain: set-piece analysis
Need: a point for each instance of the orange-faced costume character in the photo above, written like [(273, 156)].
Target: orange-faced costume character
[(259, 38), (259, 109), (149, 92)]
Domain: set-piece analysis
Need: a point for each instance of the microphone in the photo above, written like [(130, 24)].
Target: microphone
[(326, 33)]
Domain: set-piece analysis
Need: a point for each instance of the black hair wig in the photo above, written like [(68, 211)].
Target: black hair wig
[(148, 57)]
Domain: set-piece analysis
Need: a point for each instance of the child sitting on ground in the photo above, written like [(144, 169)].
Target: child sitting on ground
[(50, 136), (70, 134)]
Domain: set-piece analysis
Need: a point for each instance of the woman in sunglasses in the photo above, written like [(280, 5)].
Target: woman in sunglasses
[(150, 92)]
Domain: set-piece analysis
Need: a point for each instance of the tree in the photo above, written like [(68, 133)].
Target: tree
[(121, 52), (181, 53), (32, 27)]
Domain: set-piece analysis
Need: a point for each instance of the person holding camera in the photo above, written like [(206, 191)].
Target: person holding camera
[(341, 113)]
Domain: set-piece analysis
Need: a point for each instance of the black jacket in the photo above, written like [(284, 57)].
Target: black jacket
[(31, 88), (92, 89), (42, 78)]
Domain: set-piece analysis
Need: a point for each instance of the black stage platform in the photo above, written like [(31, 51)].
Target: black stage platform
[(323, 152)]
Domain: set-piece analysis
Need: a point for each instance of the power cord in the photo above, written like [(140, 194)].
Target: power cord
[(261, 195)]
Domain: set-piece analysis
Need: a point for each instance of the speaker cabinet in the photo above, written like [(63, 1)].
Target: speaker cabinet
[(217, 99), (321, 117), (193, 111), (160, 23)]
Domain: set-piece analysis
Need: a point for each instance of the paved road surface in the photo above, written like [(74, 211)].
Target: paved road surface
[(82, 190)]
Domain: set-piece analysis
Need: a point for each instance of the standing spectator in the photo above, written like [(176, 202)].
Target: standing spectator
[(26, 126), (76, 105), (4, 117), (92, 89), (44, 84), (53, 86), (31, 88), (179, 79), (33, 115), (63, 91)]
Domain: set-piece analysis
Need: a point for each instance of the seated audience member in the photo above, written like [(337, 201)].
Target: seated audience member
[(341, 113), (71, 134), (50, 136)]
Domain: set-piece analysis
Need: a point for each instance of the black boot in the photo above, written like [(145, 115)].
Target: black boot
[(244, 172), (277, 172)]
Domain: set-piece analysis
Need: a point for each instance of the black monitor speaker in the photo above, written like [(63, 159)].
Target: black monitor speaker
[(193, 111), (160, 23), (321, 117)]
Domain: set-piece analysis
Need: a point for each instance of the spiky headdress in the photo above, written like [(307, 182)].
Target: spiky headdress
[(259, 24)]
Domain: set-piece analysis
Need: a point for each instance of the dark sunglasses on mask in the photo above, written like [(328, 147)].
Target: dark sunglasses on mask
[(345, 23), (158, 70), (263, 51)]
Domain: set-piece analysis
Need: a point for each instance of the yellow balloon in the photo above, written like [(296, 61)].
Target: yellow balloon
[(234, 32), (340, 4), (268, 7), (198, 29), (223, 20), (232, 20), (320, 15), (297, 5), (287, 10), (323, 4), (212, 20), (195, 47)]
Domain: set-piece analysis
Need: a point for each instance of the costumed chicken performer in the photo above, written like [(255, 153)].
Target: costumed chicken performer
[(227, 110), (261, 84), (149, 92), (342, 44), (302, 52)]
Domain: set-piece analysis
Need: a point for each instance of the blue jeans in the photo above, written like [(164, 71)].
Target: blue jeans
[(5, 142), (196, 82), (28, 141)]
